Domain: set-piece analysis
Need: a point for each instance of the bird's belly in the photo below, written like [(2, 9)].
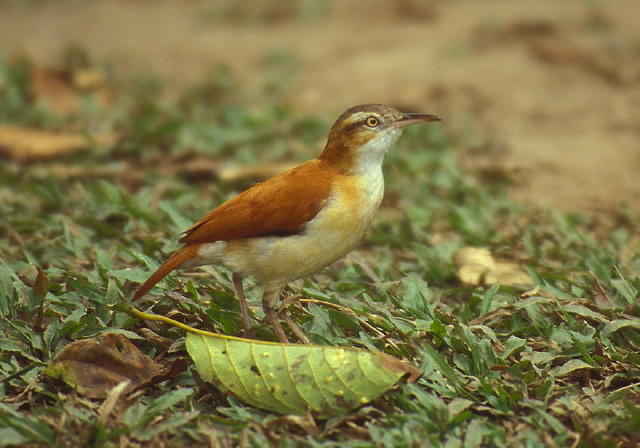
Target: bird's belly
[(329, 236)]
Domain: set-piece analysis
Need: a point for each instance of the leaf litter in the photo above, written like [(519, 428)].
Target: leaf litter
[(95, 366)]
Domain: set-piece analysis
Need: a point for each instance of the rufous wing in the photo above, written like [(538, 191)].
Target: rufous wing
[(279, 206)]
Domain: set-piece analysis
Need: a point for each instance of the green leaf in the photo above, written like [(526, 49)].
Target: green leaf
[(178, 219), (291, 378), (583, 311), (488, 298), (294, 378), (31, 429), (570, 366), (133, 275), (615, 325), (625, 289), (514, 344), (613, 397), (433, 357)]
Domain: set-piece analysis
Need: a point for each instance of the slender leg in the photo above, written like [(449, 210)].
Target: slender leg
[(244, 308), (269, 299)]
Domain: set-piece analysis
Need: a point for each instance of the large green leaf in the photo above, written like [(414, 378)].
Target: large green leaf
[(293, 378)]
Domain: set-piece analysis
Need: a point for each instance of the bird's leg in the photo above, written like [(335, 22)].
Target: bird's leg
[(244, 308), (269, 299)]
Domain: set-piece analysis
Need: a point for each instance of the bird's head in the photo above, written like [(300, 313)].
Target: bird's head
[(363, 134)]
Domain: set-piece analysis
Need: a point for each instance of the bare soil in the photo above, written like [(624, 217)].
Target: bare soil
[(549, 91)]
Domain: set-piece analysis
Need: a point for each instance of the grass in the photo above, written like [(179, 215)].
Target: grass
[(555, 365)]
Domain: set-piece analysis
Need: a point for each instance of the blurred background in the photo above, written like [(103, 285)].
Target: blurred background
[(545, 94)]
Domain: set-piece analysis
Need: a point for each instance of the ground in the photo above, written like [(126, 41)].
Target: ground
[(122, 123), (549, 91)]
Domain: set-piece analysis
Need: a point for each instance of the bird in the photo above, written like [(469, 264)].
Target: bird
[(300, 221)]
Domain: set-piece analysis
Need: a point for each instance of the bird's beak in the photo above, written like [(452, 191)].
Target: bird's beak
[(409, 119)]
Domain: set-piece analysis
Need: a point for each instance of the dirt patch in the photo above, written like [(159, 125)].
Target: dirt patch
[(551, 95)]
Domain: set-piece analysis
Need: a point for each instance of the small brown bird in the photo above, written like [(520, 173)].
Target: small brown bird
[(298, 222)]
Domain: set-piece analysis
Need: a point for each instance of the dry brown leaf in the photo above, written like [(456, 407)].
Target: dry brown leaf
[(476, 266), (24, 144), (95, 366), (63, 91)]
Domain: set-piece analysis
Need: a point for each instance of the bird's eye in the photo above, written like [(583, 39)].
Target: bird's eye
[(372, 122)]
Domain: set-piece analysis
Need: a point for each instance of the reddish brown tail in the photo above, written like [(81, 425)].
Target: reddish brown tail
[(175, 261)]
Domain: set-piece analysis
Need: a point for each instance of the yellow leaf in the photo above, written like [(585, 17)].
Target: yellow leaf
[(476, 266)]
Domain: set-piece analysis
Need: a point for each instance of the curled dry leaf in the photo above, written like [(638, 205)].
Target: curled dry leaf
[(476, 266), (94, 366), (32, 144)]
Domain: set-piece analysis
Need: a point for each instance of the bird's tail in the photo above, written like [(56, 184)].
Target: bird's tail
[(184, 254)]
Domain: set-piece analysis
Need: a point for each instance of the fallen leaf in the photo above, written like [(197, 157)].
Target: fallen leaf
[(24, 144), (472, 264), (292, 379), (476, 266), (63, 91), (507, 273), (95, 366), (295, 378)]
